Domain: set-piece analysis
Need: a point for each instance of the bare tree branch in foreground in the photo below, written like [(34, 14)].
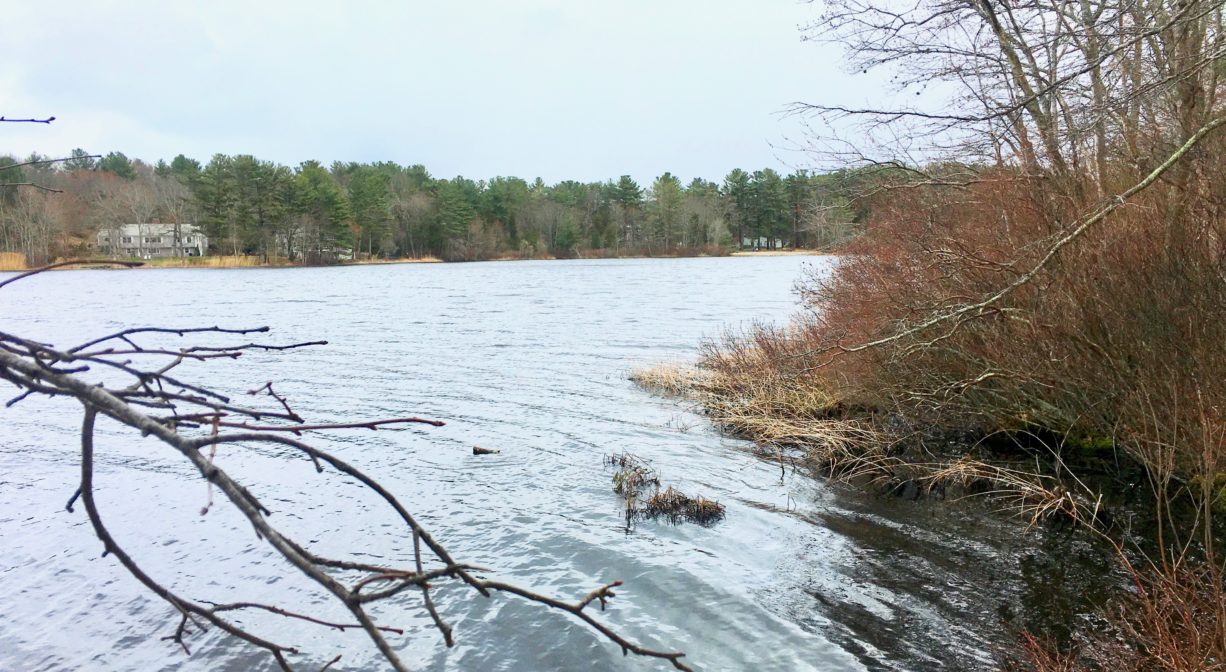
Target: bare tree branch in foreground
[(48, 120), (40, 369)]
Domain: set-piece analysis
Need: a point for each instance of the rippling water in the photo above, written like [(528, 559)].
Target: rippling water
[(527, 357)]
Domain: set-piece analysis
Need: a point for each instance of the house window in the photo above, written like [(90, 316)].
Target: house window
[(127, 239), (153, 239)]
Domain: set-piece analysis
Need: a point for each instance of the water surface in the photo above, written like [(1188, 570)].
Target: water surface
[(529, 358)]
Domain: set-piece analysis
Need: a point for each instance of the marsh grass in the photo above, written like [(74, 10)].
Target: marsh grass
[(12, 261), (217, 261), (676, 507), (671, 379)]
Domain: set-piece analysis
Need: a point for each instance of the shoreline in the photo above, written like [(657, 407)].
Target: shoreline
[(237, 263)]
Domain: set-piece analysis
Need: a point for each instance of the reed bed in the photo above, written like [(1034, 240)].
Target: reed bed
[(12, 261), (222, 261), (671, 379)]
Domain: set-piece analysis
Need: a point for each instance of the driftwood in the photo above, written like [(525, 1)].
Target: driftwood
[(190, 418)]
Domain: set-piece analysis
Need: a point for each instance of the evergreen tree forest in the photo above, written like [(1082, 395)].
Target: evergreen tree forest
[(314, 213)]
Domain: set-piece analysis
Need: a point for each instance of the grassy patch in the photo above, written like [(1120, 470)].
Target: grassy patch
[(670, 379)]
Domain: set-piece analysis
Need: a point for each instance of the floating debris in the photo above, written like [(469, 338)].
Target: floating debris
[(675, 507), (633, 475), (639, 485), (478, 450)]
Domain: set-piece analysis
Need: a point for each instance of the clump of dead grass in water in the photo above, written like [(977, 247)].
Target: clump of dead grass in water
[(632, 477), (639, 485), (671, 379), (675, 507)]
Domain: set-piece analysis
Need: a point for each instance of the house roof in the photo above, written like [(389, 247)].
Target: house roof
[(151, 229)]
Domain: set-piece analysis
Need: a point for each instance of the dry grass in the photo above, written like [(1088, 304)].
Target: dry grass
[(632, 477), (676, 380), (675, 507), (746, 399), (12, 261), (749, 394), (241, 261), (789, 252), (400, 260), (1032, 496)]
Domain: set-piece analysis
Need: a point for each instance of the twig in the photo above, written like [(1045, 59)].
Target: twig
[(577, 610), (48, 120), (232, 606), (267, 387), (31, 184), (72, 262), (164, 330), (40, 162), (298, 429)]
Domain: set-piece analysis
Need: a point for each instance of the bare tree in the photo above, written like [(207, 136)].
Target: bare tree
[(175, 203), (25, 224), (1058, 88), (192, 419)]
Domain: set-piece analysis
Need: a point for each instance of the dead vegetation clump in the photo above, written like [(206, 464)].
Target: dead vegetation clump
[(676, 507), (632, 476), (639, 485), (671, 379)]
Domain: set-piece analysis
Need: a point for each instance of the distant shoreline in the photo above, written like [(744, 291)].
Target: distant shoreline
[(231, 263)]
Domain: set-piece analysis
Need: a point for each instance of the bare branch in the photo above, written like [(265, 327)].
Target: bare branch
[(39, 368), (43, 162), (31, 184), (71, 262), (48, 120)]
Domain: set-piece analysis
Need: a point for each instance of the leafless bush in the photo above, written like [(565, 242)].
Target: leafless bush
[(1045, 252)]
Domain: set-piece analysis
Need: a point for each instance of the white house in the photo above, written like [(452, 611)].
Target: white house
[(150, 241)]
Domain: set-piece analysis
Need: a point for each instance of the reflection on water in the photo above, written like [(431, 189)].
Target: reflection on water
[(526, 357)]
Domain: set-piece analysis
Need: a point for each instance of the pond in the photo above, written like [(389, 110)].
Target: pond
[(531, 359)]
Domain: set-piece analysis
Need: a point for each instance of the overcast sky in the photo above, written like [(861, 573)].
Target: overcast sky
[(563, 89)]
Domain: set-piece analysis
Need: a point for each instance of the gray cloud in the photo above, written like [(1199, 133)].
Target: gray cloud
[(560, 89)]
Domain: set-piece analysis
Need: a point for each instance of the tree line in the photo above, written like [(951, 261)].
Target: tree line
[(314, 213)]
